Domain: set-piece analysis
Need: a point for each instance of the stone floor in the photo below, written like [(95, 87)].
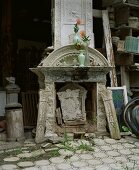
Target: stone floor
[(97, 153)]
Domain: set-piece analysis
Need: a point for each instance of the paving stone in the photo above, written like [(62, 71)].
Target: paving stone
[(108, 160), (87, 168), (64, 152), (99, 142), (86, 156), (24, 155), (122, 140), (137, 162), (49, 167), (131, 165), (11, 159), (120, 159), (46, 145), (135, 151), (42, 162), (100, 155), (82, 152), (9, 145), (103, 167), (74, 158), (106, 148), (64, 166), (10, 150), (125, 151), (24, 148), (1, 152), (30, 144), (95, 162), (31, 168), (117, 146), (9, 167), (51, 149), (38, 152), (79, 164), (96, 149), (110, 141), (128, 145), (137, 144), (25, 151), (57, 160), (25, 164), (134, 158), (113, 153), (116, 166)]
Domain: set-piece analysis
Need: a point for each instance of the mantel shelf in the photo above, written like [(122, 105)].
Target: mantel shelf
[(73, 74)]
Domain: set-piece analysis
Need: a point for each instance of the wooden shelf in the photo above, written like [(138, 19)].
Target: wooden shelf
[(130, 5), (133, 68), (126, 27), (119, 4), (125, 52), (134, 89)]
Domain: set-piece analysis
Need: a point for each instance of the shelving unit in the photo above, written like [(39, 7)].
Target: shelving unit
[(126, 60)]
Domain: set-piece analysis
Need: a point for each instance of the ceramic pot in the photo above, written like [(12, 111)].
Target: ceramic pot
[(81, 58)]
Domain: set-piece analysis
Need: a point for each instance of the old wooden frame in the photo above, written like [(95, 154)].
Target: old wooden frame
[(124, 92), (120, 99)]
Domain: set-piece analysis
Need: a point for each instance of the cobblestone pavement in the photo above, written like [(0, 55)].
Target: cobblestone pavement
[(99, 153)]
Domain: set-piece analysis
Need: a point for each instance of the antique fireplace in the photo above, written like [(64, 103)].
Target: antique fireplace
[(69, 96)]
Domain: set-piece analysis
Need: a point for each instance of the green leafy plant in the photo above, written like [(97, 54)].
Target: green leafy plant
[(54, 153), (125, 129), (85, 147), (76, 25)]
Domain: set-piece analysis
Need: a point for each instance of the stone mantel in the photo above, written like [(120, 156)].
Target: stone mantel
[(73, 74), (62, 66)]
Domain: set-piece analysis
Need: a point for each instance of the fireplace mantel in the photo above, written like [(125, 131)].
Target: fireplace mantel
[(61, 66), (74, 73)]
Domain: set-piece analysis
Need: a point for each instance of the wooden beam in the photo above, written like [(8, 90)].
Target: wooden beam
[(6, 40), (109, 47)]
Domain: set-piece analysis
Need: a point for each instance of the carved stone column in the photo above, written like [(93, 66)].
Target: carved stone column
[(41, 117), (101, 116), (40, 129), (50, 96)]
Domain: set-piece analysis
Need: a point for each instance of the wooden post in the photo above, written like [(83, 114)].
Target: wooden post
[(109, 48), (6, 40)]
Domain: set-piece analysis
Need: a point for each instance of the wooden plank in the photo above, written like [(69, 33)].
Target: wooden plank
[(109, 47), (111, 114), (106, 3)]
